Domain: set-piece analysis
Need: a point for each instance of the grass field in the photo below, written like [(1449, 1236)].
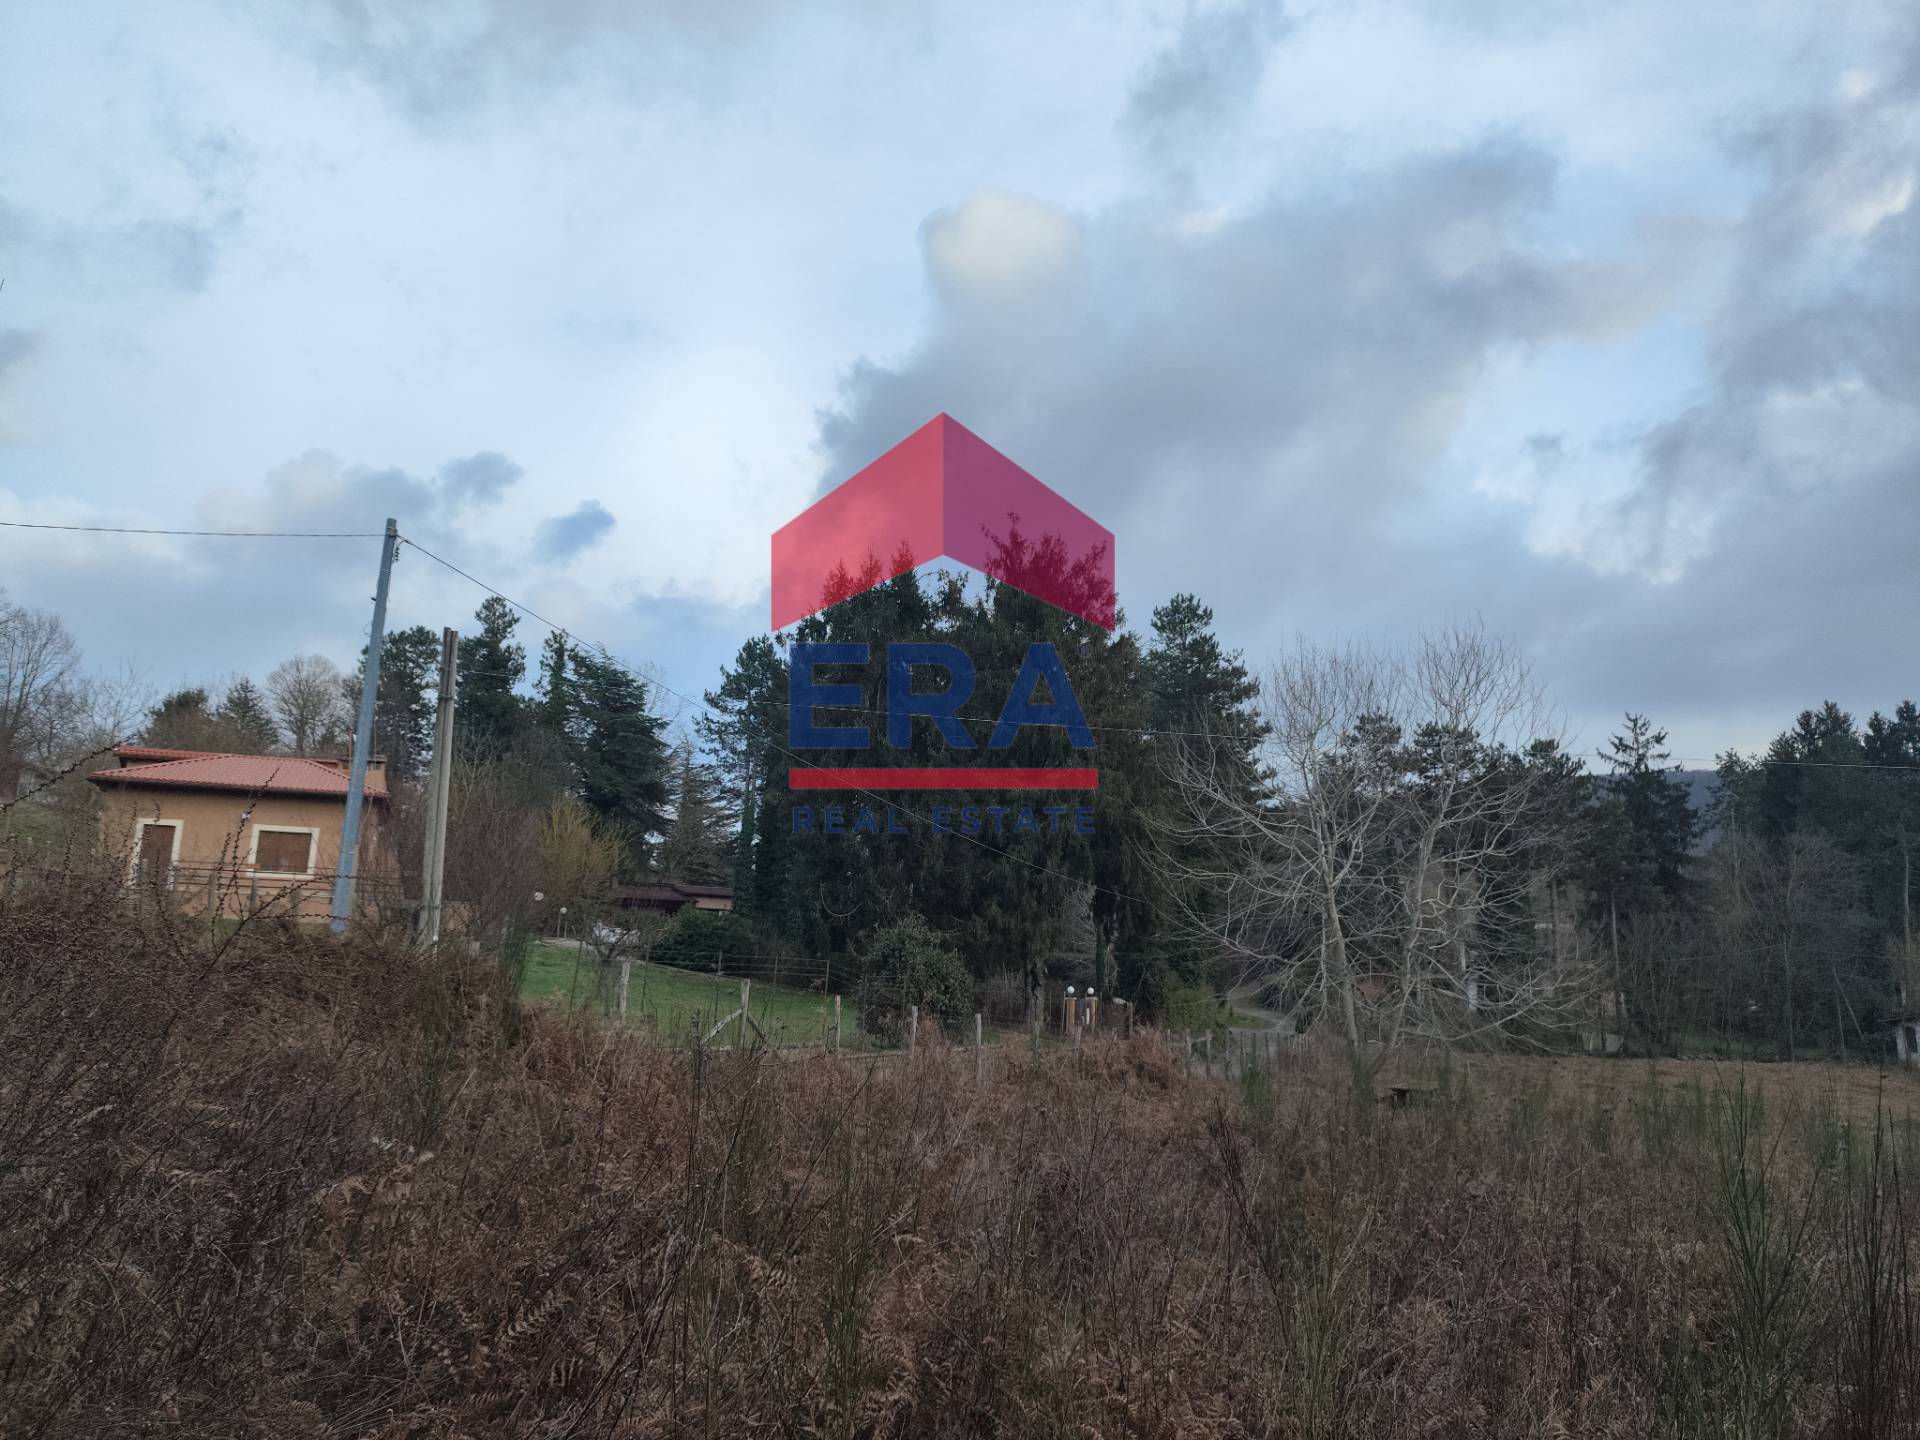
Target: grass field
[(669, 998)]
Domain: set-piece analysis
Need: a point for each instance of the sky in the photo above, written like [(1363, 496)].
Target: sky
[(1599, 324)]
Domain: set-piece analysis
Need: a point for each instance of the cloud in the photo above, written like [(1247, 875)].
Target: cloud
[(437, 60), (1306, 357), (18, 351), (562, 536), (1198, 88), (997, 251), (1812, 405), (1267, 405), (479, 479)]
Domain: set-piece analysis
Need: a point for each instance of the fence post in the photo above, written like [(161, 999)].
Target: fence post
[(626, 974), (745, 986), (1187, 1068), (913, 1027), (836, 1024), (979, 1055)]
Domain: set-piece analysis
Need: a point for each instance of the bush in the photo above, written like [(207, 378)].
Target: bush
[(909, 964), (705, 940), (1194, 1008)]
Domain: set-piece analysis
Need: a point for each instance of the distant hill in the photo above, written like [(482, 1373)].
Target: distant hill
[(1702, 786)]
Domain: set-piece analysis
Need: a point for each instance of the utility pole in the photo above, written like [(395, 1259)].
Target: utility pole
[(343, 873), (439, 789)]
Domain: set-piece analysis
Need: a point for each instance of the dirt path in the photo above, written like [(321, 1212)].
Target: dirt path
[(1242, 1000)]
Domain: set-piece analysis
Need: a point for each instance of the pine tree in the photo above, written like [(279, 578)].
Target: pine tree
[(491, 665), (246, 719), (403, 710), (553, 700), (746, 717), (620, 753), (1638, 847), (184, 720), (1195, 687), (696, 841)]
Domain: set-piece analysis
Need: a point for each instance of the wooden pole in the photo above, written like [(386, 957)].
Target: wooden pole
[(836, 1023), (745, 987), (979, 1055), (913, 1027), (626, 974), (439, 789)]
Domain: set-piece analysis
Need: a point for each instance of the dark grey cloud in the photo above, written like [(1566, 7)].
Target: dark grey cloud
[(1262, 405), (1305, 358), (1200, 85), (562, 536), (479, 479)]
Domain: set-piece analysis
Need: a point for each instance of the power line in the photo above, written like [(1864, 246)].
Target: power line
[(215, 534), (608, 657), (1140, 730)]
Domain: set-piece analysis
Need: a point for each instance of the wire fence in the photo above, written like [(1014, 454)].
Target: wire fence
[(804, 1002)]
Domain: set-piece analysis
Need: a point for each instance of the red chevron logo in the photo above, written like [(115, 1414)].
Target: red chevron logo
[(943, 493)]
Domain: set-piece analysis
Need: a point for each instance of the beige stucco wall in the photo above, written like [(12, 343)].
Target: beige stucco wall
[(216, 831)]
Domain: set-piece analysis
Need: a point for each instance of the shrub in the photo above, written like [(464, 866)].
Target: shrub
[(909, 964), (705, 940)]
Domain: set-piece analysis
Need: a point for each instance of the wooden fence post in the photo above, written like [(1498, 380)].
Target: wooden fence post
[(746, 987), (626, 974), (979, 1055), (1187, 1068), (913, 1027), (836, 1024)]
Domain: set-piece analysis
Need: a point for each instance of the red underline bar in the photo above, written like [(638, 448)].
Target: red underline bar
[(982, 777)]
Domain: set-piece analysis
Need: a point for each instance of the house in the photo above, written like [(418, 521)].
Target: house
[(235, 832), (670, 897)]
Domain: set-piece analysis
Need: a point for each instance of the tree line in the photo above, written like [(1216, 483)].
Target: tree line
[(1391, 844)]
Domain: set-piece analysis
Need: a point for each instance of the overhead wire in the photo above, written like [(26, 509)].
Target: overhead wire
[(212, 534), (608, 657)]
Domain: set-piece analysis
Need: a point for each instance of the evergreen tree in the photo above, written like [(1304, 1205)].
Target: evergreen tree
[(1194, 687), (552, 707), (490, 666), (745, 719), (1639, 838), (184, 720), (403, 710), (247, 719), (1199, 704), (697, 839), (620, 751)]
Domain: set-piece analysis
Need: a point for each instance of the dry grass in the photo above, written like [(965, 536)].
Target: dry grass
[(278, 1186)]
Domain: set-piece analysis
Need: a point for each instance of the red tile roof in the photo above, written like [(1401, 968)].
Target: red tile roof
[(254, 774)]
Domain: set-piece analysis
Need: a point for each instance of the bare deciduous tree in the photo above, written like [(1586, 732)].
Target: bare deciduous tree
[(306, 696), (38, 663), (1387, 878)]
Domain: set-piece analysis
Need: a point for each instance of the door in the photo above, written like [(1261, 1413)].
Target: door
[(156, 854)]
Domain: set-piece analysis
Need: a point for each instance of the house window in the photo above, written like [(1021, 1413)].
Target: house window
[(283, 849), (157, 852)]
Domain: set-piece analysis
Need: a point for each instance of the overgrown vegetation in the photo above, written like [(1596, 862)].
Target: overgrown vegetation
[(261, 1183)]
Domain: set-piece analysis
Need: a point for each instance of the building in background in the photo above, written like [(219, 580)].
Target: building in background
[(236, 833)]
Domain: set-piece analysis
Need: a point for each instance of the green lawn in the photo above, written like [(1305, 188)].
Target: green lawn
[(668, 998)]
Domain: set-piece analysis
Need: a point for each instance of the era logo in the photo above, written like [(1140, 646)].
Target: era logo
[(806, 692)]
